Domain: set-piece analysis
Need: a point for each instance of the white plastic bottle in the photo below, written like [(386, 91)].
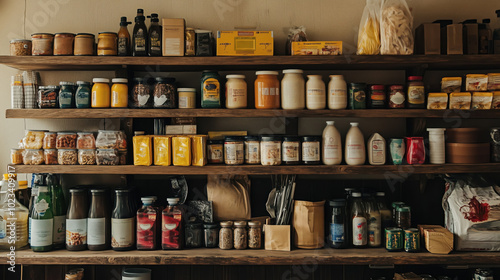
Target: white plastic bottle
[(316, 95), (293, 95), (376, 149), (332, 145), (337, 93), (355, 151)]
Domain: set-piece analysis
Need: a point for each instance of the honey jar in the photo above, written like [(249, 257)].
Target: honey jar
[(107, 43)]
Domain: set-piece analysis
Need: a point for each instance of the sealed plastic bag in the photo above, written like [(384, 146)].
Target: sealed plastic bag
[(369, 29), (396, 28)]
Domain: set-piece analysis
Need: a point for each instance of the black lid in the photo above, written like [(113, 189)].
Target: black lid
[(139, 79), (167, 80), (154, 15), (486, 20), (64, 33), (87, 34), (124, 22), (219, 141), (469, 21), (443, 22), (311, 138), (337, 202), (210, 225), (291, 138), (154, 18), (498, 13), (234, 138), (271, 138), (140, 11), (252, 138)]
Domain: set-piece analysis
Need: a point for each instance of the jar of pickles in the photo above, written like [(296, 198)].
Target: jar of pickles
[(49, 140), (240, 235), (82, 96), (16, 156), (252, 149), (85, 140), (66, 140), (86, 156), (67, 156), (270, 150), (50, 156)]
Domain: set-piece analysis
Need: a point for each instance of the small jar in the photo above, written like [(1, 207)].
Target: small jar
[(140, 97), (194, 235), (357, 96), (82, 96), (107, 157), (66, 140), (270, 150), (311, 149), (226, 235), (252, 150), (291, 150), (293, 95), (234, 152), (267, 90), (20, 47), (50, 156), (187, 98), (86, 156), (67, 156), (16, 156), (84, 44), (165, 93), (403, 217), (315, 93), (107, 43), (255, 235), (122, 155), (49, 140), (85, 140), (33, 157), (48, 97), (236, 92), (240, 235), (101, 94), (63, 43), (416, 93), (119, 93), (42, 44), (67, 95), (376, 97), (396, 97), (211, 235), (215, 151), (121, 139)]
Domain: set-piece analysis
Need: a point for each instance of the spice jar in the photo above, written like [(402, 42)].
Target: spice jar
[(416, 93), (187, 98), (376, 97), (101, 94), (48, 97), (107, 157), (49, 140), (194, 235), (33, 157), (85, 140), (107, 43), (63, 43), (357, 96), (291, 150), (119, 93), (67, 156), (86, 156), (236, 92), (215, 151), (211, 235), (226, 235), (82, 95), (165, 93), (311, 149), (50, 156), (403, 217), (67, 95), (267, 90), (84, 44), (16, 156), (240, 235), (233, 150), (211, 89), (293, 94), (396, 97), (252, 150), (20, 47), (255, 235), (42, 43), (270, 148), (66, 140), (140, 95)]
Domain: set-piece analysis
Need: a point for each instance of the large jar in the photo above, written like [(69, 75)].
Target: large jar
[(315, 93), (20, 47), (42, 44), (293, 89), (165, 93), (267, 90), (236, 92), (66, 140), (211, 89), (187, 98), (252, 149), (119, 93), (233, 150), (84, 44), (291, 150), (311, 149), (67, 156), (337, 93), (240, 235), (254, 235), (67, 95), (270, 150), (63, 43), (416, 93), (101, 94), (140, 96), (82, 96), (226, 235), (107, 43)]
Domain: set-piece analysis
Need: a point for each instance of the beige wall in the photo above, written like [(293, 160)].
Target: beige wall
[(325, 20)]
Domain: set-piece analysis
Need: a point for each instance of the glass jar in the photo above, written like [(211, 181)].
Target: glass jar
[(270, 150), (122, 154), (84, 44), (187, 98), (215, 151), (255, 235), (67, 156), (140, 97), (86, 156), (252, 150), (66, 140), (101, 94), (50, 156), (376, 97), (42, 43), (63, 43), (315, 93), (67, 95), (107, 43), (20, 47), (107, 157), (311, 149), (33, 157), (293, 94), (267, 90), (240, 235), (291, 150), (357, 96), (119, 93), (226, 235), (416, 93), (85, 140), (233, 150), (82, 96), (403, 217), (16, 156), (48, 97), (49, 140), (165, 93), (337, 237), (236, 92), (194, 235), (211, 89), (211, 235), (396, 97)]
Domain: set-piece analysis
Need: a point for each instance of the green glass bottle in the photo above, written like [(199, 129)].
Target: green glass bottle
[(42, 222), (58, 210)]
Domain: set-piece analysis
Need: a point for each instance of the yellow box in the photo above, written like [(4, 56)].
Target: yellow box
[(245, 43), (198, 150), (476, 82), (181, 150), (163, 150), (482, 100), (437, 101), (460, 100), (317, 48), (143, 150)]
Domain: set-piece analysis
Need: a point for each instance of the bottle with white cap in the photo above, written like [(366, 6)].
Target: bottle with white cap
[(146, 225), (355, 151), (293, 90), (332, 145), (172, 235)]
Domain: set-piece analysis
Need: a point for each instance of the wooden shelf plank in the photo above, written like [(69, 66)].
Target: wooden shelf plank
[(390, 171), (206, 256)]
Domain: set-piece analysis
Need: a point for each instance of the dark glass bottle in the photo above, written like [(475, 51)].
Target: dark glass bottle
[(122, 223), (98, 222), (59, 211), (155, 36), (42, 221), (172, 235), (76, 220), (124, 37), (337, 235), (146, 225), (140, 35), (359, 222)]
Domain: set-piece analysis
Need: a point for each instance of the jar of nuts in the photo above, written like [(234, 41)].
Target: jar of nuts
[(85, 140), (33, 157), (67, 156), (226, 235), (86, 156), (240, 235), (50, 156), (16, 156), (107, 157), (66, 140), (255, 235), (20, 47)]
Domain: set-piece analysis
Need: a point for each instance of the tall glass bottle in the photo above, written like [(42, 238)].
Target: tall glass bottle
[(124, 37), (59, 211), (140, 35), (359, 222), (374, 223), (98, 221), (76, 220), (122, 223), (172, 235), (42, 221), (337, 237), (146, 225), (154, 38)]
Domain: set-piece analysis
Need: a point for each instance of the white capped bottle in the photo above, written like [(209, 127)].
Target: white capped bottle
[(293, 94), (315, 93), (332, 145), (337, 92), (355, 152), (376, 149)]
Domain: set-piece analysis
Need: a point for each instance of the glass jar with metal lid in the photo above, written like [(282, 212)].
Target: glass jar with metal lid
[(107, 43), (194, 235), (66, 140), (236, 92), (267, 90), (84, 44), (396, 97), (165, 93), (376, 97), (140, 96), (67, 95), (255, 235), (291, 150), (215, 152), (234, 152), (252, 149), (403, 217), (211, 235), (270, 150), (226, 235), (63, 43), (311, 149), (82, 96), (240, 235), (42, 43), (119, 93)]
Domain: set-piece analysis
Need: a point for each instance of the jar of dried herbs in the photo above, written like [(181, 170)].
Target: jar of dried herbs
[(140, 96), (255, 235), (240, 235), (165, 93), (226, 235)]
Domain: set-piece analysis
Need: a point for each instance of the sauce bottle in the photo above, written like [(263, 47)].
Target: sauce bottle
[(122, 223), (42, 221), (172, 235), (376, 149), (355, 146), (140, 35), (76, 220), (332, 145), (374, 223), (359, 222), (59, 211), (124, 37), (337, 237), (98, 222), (146, 225), (155, 38)]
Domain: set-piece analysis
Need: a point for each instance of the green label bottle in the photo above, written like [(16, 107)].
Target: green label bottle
[(42, 222)]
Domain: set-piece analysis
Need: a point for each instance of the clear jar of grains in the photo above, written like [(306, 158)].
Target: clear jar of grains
[(240, 235), (255, 235), (226, 235)]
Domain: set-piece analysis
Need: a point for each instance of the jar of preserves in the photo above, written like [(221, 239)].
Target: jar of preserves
[(211, 235), (293, 94), (107, 43), (20, 47), (33, 157), (85, 140), (16, 156), (66, 140), (311, 149), (140, 97), (165, 93), (119, 93), (416, 93), (107, 157), (267, 90), (82, 96), (255, 235), (48, 97), (252, 149), (187, 98), (236, 92), (357, 96), (63, 43), (211, 89), (42, 43), (396, 97), (233, 150), (194, 235), (67, 156), (376, 97), (101, 94), (291, 150), (270, 149), (84, 44), (86, 156), (315, 93), (240, 235), (67, 95), (403, 217), (215, 151), (49, 140), (226, 235), (50, 156), (337, 93)]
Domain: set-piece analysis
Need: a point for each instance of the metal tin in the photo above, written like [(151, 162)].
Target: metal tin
[(393, 239), (190, 42), (357, 96), (412, 240)]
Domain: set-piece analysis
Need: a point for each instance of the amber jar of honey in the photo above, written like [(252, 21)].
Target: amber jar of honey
[(267, 90), (107, 43), (84, 44), (63, 43)]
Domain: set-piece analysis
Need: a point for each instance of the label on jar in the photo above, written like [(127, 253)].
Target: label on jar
[(291, 151), (271, 153), (185, 102), (41, 207), (211, 90), (65, 99), (96, 231), (397, 98), (267, 92), (416, 95), (252, 152), (355, 151), (378, 152), (76, 232), (215, 153), (337, 232), (315, 96), (233, 153), (122, 232), (236, 95), (122, 45), (41, 232), (146, 229), (310, 151), (359, 231), (59, 233)]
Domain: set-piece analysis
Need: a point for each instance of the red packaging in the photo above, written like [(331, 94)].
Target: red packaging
[(146, 228), (415, 150), (172, 237)]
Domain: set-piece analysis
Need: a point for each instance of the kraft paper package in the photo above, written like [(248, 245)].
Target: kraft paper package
[(277, 238), (309, 224), (230, 196)]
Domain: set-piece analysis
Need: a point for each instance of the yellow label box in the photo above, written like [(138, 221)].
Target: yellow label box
[(163, 150), (143, 150), (245, 43), (317, 48), (181, 150)]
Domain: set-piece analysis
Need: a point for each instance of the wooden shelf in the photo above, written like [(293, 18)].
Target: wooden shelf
[(390, 171), (253, 257)]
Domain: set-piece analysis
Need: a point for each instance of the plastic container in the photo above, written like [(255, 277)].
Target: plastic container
[(50, 156), (85, 140), (67, 156), (337, 93), (82, 96), (267, 90), (119, 93), (63, 43), (50, 140), (101, 94), (20, 47), (293, 94), (236, 92), (355, 152), (437, 145), (315, 93), (107, 157), (16, 156), (87, 156), (376, 150), (187, 98), (66, 140)]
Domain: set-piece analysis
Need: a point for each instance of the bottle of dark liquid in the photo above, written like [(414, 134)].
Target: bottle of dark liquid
[(155, 37), (337, 236), (146, 225), (122, 223), (172, 235), (140, 35), (59, 211), (42, 221), (124, 37), (76, 220), (99, 221), (359, 222)]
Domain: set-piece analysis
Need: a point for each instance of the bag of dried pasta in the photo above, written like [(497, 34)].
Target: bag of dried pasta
[(396, 28), (369, 29)]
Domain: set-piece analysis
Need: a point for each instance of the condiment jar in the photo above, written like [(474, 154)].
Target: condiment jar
[(255, 235), (187, 98), (416, 93), (107, 43), (165, 93), (67, 95), (119, 93), (84, 44), (211, 235), (357, 96), (270, 150), (211, 89), (42, 43), (337, 93), (48, 96), (63, 43), (20, 47), (101, 95), (82, 96), (226, 235), (267, 90), (311, 149), (140, 96), (240, 235), (215, 151), (376, 97), (396, 97), (293, 94), (252, 149), (290, 150), (236, 92), (233, 150), (315, 93)]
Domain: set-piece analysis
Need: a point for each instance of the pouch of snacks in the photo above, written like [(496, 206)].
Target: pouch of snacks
[(460, 100), (482, 100), (495, 104), (476, 82), (143, 150), (181, 150)]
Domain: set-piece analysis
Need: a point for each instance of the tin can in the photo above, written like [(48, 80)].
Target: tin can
[(190, 42), (393, 239), (357, 96), (483, 274), (412, 240)]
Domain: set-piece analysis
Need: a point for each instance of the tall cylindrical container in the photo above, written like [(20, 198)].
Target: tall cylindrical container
[(293, 94), (355, 149), (437, 145), (332, 145), (316, 95), (337, 93)]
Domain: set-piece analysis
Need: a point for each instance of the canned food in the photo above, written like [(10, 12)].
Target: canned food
[(190, 42), (393, 239), (412, 240)]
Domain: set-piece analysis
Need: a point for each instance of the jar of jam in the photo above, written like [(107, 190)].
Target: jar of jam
[(357, 96), (42, 43), (267, 90), (270, 148), (63, 43), (416, 93), (215, 151), (291, 150), (252, 149), (107, 43), (233, 150), (311, 149), (84, 44), (377, 98), (396, 97)]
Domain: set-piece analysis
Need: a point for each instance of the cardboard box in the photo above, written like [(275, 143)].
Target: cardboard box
[(317, 48), (428, 39), (277, 238), (245, 43), (173, 36), (471, 38), (180, 129), (438, 240), (454, 42)]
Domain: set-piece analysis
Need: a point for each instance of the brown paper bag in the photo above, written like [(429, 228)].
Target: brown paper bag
[(230, 196), (277, 238), (309, 224)]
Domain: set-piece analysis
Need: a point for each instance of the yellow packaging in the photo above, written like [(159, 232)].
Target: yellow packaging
[(198, 150), (143, 150), (245, 43), (451, 84), (219, 135), (482, 100), (317, 48), (460, 100), (495, 104), (437, 101), (163, 150), (494, 81), (181, 150), (476, 82)]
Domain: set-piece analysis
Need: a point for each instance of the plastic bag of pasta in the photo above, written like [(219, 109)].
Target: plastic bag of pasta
[(396, 28), (369, 29)]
